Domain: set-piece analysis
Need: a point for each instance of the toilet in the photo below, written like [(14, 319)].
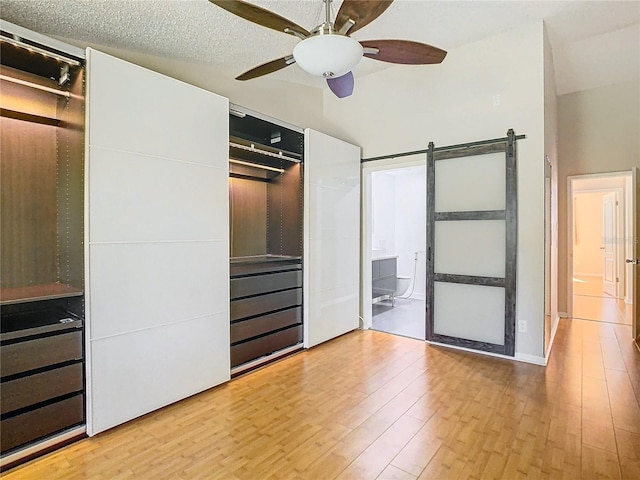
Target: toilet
[(402, 285)]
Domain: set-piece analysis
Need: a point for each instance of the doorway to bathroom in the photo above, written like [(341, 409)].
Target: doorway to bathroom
[(396, 242)]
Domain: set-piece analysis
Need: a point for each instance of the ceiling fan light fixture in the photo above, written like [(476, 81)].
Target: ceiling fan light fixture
[(329, 55)]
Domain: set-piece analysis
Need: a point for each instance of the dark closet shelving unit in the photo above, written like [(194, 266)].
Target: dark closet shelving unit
[(42, 253), (265, 223)]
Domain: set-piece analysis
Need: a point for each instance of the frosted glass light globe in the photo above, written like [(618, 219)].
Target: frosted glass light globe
[(329, 55)]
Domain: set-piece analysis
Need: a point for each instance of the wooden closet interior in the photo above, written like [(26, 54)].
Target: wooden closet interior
[(266, 237), (42, 253)]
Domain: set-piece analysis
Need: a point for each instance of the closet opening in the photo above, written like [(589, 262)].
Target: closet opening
[(266, 237), (42, 247)]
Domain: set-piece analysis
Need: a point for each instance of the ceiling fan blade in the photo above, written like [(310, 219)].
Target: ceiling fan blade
[(261, 16), (403, 51), (361, 12), (341, 86), (269, 67)]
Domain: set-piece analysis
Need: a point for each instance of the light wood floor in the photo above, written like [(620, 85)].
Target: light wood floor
[(591, 303), (371, 405)]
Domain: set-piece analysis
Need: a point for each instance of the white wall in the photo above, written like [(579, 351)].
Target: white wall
[(411, 219), (551, 153), (383, 231), (478, 92)]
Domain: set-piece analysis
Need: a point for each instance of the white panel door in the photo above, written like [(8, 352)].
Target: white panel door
[(156, 241), (609, 243), (332, 238)]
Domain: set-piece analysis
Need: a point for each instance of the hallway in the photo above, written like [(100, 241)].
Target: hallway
[(370, 405)]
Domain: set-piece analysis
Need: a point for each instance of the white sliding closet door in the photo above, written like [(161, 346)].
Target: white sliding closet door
[(157, 241), (332, 234)]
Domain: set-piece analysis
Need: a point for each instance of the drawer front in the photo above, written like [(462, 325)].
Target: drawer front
[(41, 352), (243, 287), (40, 387), (265, 303), (264, 324), (28, 427), (262, 346), (242, 269)]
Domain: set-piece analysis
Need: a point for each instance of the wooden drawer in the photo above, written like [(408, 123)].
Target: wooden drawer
[(266, 345), (265, 303), (260, 325), (258, 284), (40, 387), (40, 352), (31, 426)]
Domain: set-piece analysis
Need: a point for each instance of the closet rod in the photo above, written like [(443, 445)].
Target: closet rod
[(35, 85), (441, 149), (256, 165)]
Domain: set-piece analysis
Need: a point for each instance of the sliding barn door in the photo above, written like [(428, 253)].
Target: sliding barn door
[(471, 246), (157, 241), (332, 234)]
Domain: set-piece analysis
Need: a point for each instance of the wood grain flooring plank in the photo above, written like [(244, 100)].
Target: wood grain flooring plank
[(599, 464)]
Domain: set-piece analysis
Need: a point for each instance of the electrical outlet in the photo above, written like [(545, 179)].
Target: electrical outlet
[(522, 326)]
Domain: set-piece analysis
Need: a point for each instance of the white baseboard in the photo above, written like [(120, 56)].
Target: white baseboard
[(563, 314), (535, 359), (578, 274), (520, 357), (628, 301)]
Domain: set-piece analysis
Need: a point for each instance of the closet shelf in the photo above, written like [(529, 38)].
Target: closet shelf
[(47, 291), (29, 117)]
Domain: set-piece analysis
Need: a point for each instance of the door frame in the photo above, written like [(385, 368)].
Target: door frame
[(620, 219), (367, 225)]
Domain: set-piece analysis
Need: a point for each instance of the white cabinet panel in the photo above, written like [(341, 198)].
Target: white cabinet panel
[(337, 260), (157, 270), (332, 237), (139, 286), (155, 114), (188, 357), (174, 198), (331, 312), (340, 212)]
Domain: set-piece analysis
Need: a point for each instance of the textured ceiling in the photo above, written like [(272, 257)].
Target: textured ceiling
[(594, 43)]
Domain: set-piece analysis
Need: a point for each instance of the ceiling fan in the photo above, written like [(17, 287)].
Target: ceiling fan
[(328, 51)]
